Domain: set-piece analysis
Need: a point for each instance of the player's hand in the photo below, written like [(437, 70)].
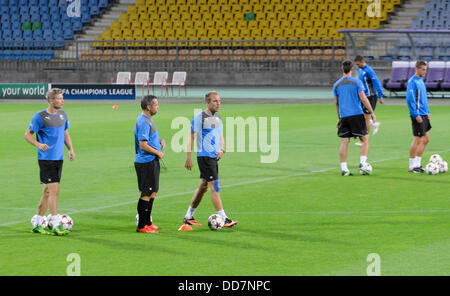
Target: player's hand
[(381, 100), (43, 147), (219, 155), (429, 117), (419, 119), (188, 164), (163, 144), (71, 155), (337, 124), (160, 155)]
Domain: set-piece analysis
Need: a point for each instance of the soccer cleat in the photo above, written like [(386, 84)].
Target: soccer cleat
[(418, 170), (346, 173), (359, 143), (153, 226), (185, 227), (363, 169), (229, 223), (191, 221), (376, 125), (39, 229), (59, 231), (147, 229)]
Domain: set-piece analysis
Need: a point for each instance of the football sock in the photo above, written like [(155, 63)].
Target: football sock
[(222, 213), (344, 166), (411, 163), (190, 213), (38, 220), (142, 209), (418, 161), (149, 211), (363, 159), (55, 220), (371, 122)]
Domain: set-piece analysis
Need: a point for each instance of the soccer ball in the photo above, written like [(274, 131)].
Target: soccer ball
[(443, 167), (215, 222), (44, 221), (66, 221), (435, 158), (432, 168), (367, 168)]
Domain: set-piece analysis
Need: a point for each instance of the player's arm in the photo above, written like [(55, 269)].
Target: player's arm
[(188, 163), (377, 86), (149, 149), (411, 92), (336, 102), (222, 147), (365, 101), (68, 143), (29, 137), (163, 144)]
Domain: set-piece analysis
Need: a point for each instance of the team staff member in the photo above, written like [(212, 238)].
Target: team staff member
[(208, 127), (50, 126), (417, 100), (148, 148), (348, 95)]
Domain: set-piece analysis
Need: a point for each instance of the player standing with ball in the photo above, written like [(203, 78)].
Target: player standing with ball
[(50, 126)]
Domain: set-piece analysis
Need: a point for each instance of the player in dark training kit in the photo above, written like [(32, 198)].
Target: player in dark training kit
[(148, 148), (50, 126), (208, 128), (348, 95)]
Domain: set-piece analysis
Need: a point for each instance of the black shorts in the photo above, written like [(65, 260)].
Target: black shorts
[(148, 176), (373, 99), (352, 126), (209, 168), (420, 129), (50, 171)]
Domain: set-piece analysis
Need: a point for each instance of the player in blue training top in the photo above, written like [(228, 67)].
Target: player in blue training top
[(148, 148), (348, 94), (417, 100), (372, 89), (208, 128), (50, 126)]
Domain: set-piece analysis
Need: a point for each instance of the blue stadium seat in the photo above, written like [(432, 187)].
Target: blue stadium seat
[(23, 3), (4, 2), (94, 10), (53, 3), (25, 17), (13, 3), (16, 53), (33, 3), (4, 10), (14, 10), (103, 3), (43, 2), (48, 54), (34, 10), (68, 34), (37, 55)]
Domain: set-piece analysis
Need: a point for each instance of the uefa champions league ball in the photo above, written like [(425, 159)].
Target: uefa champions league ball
[(366, 169), (435, 158), (215, 222), (44, 221), (432, 168), (66, 221), (443, 167)]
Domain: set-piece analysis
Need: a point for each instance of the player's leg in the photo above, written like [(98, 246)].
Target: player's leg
[(42, 209), (148, 186), (195, 202), (217, 203), (420, 140), (364, 152), (53, 193), (343, 156)]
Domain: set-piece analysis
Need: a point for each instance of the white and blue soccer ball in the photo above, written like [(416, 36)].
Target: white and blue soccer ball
[(44, 221), (366, 169), (432, 168), (443, 167), (215, 222), (436, 158)]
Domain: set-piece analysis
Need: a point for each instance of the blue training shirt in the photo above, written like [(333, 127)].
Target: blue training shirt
[(416, 97), (145, 130), (49, 129), (347, 91), (208, 129), (369, 79)]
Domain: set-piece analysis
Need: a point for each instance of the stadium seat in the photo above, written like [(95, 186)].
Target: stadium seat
[(159, 78), (399, 76), (435, 75), (445, 84), (178, 79), (122, 78), (142, 79)]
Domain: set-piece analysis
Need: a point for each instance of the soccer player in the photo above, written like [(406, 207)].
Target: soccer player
[(417, 100), (348, 95), (50, 126), (148, 148), (208, 128), (372, 89)]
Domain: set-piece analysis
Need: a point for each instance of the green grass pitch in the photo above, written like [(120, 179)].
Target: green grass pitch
[(296, 216)]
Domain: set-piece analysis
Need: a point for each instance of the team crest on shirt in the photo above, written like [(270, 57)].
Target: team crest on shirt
[(61, 116)]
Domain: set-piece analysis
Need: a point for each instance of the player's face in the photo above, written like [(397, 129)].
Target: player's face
[(154, 108), (360, 64), (214, 103), (421, 71), (57, 102)]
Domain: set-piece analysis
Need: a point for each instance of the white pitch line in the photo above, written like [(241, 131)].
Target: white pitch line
[(224, 186)]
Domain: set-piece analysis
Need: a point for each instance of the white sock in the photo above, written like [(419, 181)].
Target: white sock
[(344, 166), (411, 163), (222, 213), (363, 159), (38, 220), (55, 220), (371, 122), (418, 161), (190, 213)]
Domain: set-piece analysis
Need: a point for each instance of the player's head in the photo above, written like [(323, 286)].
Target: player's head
[(347, 66), (55, 98), (360, 61), (212, 100), (421, 69), (150, 104)]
